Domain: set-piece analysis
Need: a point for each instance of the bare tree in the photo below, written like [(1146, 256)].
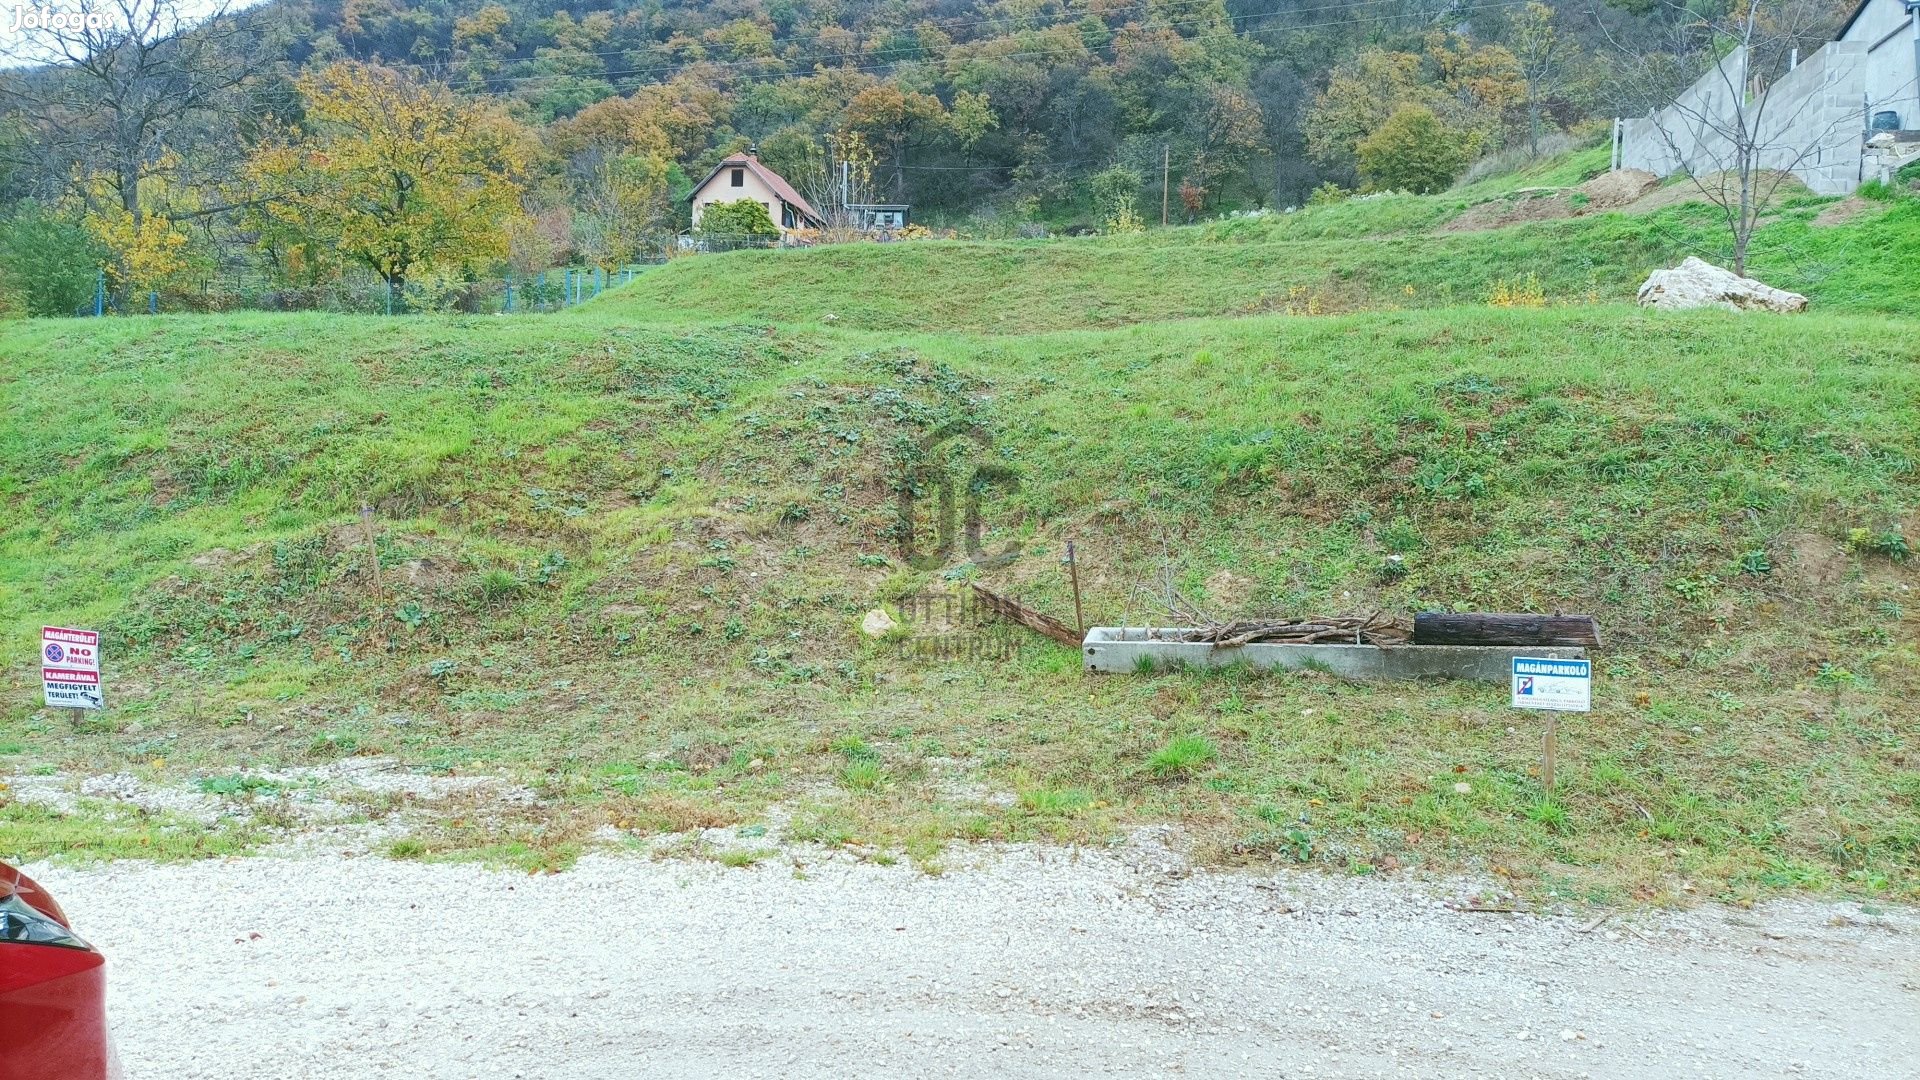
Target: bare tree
[(107, 100), (1736, 138), (835, 177), (1541, 53)]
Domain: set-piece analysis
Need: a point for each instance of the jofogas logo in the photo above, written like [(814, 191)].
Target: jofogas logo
[(952, 465), (24, 19)]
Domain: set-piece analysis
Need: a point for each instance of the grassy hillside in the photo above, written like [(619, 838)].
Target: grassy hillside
[(623, 552), (626, 564), (1363, 254)]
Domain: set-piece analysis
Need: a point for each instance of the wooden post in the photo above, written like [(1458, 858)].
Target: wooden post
[(1073, 568), (1549, 748), (373, 549)]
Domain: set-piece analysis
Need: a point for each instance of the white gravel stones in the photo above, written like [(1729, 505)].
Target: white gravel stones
[(1019, 962)]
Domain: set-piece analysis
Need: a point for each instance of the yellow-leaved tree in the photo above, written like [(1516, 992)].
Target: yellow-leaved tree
[(398, 175)]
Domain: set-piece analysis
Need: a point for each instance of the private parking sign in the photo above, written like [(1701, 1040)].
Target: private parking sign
[(1547, 683), (70, 668)]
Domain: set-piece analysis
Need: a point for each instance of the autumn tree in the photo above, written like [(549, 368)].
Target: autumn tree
[(1465, 85), (132, 120), (1226, 131), (1359, 96), (392, 173), (1412, 151), (623, 207), (888, 117)]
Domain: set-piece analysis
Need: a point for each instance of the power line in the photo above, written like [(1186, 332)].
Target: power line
[(872, 66), (1066, 17)]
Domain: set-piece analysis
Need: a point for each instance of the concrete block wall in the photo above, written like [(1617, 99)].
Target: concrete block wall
[(1811, 121)]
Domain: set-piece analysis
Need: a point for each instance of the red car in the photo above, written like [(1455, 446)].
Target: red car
[(53, 990)]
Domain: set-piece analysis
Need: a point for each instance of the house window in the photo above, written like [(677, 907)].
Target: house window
[(739, 178), (786, 215)]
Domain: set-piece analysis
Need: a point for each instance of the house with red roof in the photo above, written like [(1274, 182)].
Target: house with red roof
[(742, 176)]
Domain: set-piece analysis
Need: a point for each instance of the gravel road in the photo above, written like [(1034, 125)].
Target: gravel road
[(1032, 962)]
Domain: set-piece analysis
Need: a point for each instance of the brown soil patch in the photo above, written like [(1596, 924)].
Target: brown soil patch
[(1721, 186), (1816, 560), (1841, 212), (1523, 206), (1230, 591)]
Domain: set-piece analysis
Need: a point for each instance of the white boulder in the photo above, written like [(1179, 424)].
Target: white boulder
[(877, 623), (1697, 283)]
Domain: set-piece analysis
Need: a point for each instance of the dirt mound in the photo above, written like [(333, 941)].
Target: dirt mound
[(1529, 204), (1612, 190), (1773, 186), (1608, 191)]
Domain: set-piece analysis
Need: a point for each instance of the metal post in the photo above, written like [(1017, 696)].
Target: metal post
[(389, 296), (541, 284), (153, 302), (99, 293), (1073, 568), (509, 296)]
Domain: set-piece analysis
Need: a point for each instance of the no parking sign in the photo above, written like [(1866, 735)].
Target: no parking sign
[(70, 668)]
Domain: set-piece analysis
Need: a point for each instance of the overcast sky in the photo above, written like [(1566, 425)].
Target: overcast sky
[(19, 45)]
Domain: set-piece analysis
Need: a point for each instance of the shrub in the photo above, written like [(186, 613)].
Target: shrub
[(1412, 151), (742, 220), (1328, 194), (1523, 291), (1115, 192), (48, 265)]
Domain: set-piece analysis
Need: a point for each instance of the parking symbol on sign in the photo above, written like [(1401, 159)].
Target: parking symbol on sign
[(55, 654)]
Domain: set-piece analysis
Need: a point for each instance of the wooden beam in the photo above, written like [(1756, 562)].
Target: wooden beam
[(1497, 628), (1035, 621)]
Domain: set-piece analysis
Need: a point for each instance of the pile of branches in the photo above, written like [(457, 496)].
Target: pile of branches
[(1335, 630)]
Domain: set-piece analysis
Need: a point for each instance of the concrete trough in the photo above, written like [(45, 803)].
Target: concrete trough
[(1122, 650)]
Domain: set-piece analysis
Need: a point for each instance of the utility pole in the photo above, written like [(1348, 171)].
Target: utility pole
[(1166, 158)]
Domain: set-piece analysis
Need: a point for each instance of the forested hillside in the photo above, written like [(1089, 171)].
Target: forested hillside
[(272, 153)]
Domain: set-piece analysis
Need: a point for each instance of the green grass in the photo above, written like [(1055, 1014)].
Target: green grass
[(1183, 754), (100, 833), (624, 553), (1362, 254)]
